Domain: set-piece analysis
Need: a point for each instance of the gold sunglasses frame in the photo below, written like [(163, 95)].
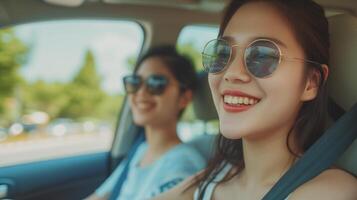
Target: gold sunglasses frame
[(281, 55)]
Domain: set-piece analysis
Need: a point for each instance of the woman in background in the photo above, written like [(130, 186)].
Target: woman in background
[(158, 92)]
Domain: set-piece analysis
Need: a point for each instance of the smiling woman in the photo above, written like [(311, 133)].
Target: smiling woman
[(267, 73), (159, 91)]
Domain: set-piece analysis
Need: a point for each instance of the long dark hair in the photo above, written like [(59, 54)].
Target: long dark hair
[(310, 27)]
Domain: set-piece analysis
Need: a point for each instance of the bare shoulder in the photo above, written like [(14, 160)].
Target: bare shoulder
[(329, 185), (180, 192)]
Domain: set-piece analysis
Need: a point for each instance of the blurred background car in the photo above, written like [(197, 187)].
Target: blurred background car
[(63, 126), (3, 134)]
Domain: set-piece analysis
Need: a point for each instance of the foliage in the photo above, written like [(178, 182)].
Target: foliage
[(84, 92), (131, 61), (81, 98), (12, 55), (189, 50), (48, 97)]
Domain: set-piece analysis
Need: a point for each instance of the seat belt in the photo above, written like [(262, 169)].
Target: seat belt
[(319, 157), (121, 179)]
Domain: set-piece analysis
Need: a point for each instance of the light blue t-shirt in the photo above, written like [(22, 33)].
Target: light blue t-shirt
[(146, 182)]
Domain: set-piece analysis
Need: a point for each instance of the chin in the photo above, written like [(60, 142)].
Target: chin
[(141, 121), (236, 131), (231, 133)]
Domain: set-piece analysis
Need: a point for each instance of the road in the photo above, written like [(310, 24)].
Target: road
[(52, 147)]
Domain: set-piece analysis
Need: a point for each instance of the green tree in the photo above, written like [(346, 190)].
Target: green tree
[(189, 50), (87, 75), (131, 61), (84, 92), (48, 97), (109, 108), (13, 54)]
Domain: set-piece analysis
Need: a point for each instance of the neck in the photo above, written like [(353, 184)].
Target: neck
[(266, 159), (159, 139)]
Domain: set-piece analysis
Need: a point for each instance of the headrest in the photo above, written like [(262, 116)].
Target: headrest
[(202, 99), (342, 83)]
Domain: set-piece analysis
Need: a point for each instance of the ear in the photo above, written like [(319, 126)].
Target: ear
[(313, 82), (185, 98)]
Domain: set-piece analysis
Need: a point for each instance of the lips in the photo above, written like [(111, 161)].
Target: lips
[(237, 101), (144, 105)]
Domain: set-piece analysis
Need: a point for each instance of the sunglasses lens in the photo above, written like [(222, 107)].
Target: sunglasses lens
[(215, 56), (262, 58), (156, 84), (132, 83)]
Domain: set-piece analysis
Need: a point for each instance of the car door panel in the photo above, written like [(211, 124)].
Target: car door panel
[(65, 178)]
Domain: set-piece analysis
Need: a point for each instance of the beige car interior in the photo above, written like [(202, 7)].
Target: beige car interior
[(162, 21)]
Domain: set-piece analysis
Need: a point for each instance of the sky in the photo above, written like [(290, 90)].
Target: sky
[(57, 48)]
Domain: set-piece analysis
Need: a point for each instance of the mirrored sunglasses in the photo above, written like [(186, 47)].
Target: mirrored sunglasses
[(261, 57), (155, 83)]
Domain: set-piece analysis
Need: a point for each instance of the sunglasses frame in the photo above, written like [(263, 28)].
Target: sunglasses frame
[(281, 56), (144, 82)]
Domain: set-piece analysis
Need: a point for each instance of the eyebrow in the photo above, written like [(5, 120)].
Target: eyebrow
[(279, 42)]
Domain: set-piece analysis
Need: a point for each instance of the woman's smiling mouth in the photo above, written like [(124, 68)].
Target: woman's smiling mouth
[(144, 105), (237, 101)]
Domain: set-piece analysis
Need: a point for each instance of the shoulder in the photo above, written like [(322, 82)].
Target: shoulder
[(329, 185)]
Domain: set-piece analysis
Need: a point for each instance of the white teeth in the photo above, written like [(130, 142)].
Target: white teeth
[(235, 100), (246, 101), (143, 105)]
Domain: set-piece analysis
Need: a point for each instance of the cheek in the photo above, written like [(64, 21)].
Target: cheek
[(283, 93), (288, 85), (168, 103)]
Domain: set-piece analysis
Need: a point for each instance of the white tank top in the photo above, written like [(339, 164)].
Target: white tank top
[(208, 193)]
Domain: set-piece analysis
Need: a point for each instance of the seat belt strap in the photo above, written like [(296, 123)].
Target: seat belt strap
[(119, 184), (319, 157)]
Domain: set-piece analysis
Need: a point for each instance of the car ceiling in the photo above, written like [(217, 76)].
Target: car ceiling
[(201, 11), (218, 5)]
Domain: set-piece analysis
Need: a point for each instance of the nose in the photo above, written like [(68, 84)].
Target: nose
[(142, 91), (236, 70)]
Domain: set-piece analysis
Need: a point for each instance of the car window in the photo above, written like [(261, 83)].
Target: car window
[(191, 42), (60, 86)]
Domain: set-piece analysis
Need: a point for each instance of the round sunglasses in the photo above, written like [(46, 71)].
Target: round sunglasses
[(155, 83), (261, 57)]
